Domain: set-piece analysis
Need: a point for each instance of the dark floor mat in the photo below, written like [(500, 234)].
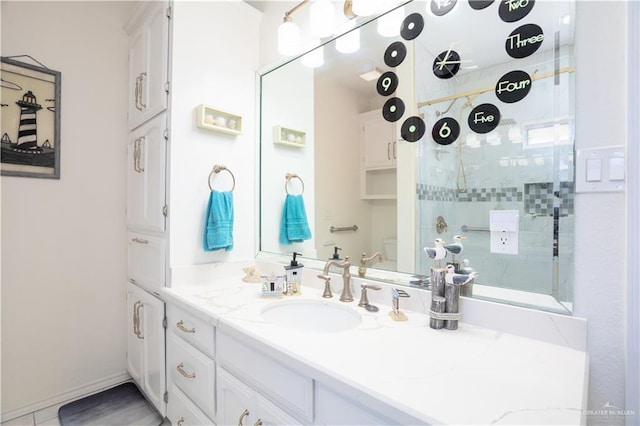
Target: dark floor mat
[(119, 406)]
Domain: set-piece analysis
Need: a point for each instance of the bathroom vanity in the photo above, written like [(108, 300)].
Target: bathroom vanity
[(230, 362)]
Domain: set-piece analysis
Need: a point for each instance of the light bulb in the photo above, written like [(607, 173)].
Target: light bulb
[(322, 18), (389, 24), (348, 42), (314, 58), (288, 38), (365, 7)]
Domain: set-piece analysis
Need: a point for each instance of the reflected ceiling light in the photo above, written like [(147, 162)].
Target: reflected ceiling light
[(366, 7), (348, 40), (389, 24), (288, 37), (493, 139), (314, 58), (374, 74), (322, 18)]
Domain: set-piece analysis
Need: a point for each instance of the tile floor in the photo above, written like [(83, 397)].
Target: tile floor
[(45, 417)]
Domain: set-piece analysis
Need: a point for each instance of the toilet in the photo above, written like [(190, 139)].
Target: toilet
[(390, 248)]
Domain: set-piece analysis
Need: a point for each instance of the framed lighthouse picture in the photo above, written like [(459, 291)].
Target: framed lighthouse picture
[(30, 125)]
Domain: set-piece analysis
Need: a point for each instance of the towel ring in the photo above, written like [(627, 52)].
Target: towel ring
[(217, 169), (290, 176)]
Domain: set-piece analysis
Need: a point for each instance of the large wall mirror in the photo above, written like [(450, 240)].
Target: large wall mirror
[(466, 127)]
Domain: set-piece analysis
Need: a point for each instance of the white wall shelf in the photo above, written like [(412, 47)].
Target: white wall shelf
[(215, 119), (288, 136)]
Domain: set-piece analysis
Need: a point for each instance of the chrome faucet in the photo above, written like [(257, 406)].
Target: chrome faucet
[(364, 260), (347, 294)]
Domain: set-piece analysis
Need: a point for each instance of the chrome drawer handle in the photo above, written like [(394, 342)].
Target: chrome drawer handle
[(181, 326), (184, 373), (140, 240)]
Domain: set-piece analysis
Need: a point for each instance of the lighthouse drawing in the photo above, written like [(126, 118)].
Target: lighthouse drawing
[(28, 130), (26, 150), (30, 119)]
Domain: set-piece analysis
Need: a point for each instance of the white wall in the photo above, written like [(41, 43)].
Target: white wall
[(600, 218), (213, 64), (63, 241)]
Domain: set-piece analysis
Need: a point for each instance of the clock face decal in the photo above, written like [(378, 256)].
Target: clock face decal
[(393, 109), (395, 54), (412, 26), (513, 86), (446, 64), (484, 118), (480, 4), (387, 83), (442, 7), (412, 129), (524, 41), (514, 10), (445, 131)]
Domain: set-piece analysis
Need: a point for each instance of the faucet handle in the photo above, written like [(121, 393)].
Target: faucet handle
[(364, 300), (327, 286)]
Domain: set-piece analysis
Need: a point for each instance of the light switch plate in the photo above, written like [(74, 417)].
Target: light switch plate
[(600, 169)]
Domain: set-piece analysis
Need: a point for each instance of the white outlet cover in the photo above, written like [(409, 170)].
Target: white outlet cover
[(504, 242)]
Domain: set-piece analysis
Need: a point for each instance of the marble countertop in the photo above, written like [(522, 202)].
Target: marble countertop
[(471, 375)]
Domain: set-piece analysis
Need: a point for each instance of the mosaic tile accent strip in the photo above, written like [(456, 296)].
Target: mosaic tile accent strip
[(539, 197), (438, 193)]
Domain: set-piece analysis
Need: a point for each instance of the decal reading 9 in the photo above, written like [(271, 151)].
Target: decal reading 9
[(387, 83)]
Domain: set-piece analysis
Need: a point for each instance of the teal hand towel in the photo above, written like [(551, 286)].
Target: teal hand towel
[(294, 227), (218, 233)]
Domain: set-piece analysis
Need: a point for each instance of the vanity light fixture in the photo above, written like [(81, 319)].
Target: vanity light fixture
[(288, 36), (322, 18), (322, 23)]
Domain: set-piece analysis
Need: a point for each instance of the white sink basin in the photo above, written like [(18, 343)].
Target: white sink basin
[(316, 316)]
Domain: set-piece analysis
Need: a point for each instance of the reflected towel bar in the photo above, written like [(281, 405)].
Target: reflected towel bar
[(466, 228), (344, 228)]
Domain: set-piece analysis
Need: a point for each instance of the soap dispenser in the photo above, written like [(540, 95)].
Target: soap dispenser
[(335, 256), (294, 276)]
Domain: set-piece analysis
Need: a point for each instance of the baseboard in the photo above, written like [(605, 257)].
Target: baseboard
[(69, 396)]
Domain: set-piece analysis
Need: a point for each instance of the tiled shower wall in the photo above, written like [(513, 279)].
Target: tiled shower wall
[(533, 268)]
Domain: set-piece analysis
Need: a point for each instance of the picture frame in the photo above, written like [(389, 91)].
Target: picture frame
[(30, 120)]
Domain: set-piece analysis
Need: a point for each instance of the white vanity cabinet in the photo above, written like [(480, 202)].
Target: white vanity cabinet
[(239, 404), (146, 174), (148, 61), (191, 369), (146, 344), (379, 150)]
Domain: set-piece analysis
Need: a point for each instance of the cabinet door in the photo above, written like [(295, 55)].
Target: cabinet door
[(134, 339), (153, 336), (241, 405), (146, 161), (378, 141), (148, 64), (235, 400)]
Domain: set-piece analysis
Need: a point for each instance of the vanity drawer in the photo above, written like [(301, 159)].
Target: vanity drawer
[(182, 411), (192, 372), (194, 330), (272, 378)]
